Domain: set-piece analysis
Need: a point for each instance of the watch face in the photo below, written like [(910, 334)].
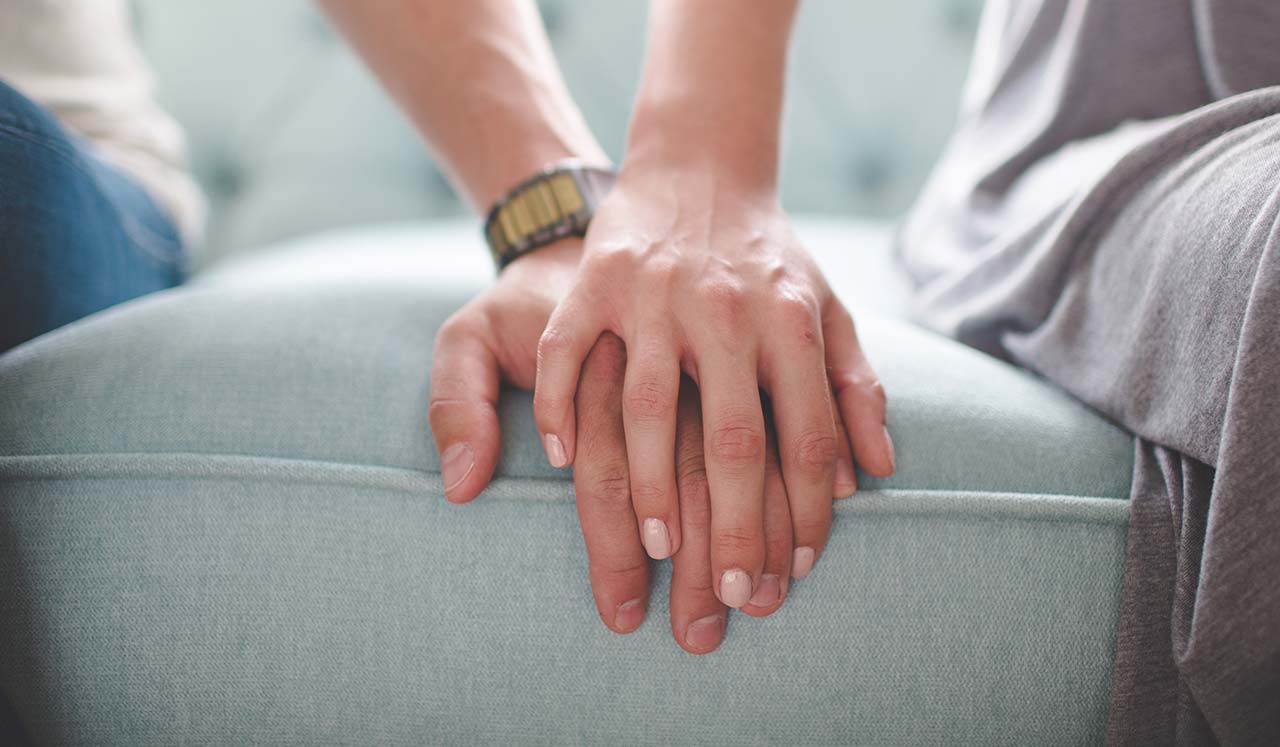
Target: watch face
[(555, 203)]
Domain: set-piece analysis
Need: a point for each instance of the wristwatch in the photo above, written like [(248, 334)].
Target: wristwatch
[(556, 202)]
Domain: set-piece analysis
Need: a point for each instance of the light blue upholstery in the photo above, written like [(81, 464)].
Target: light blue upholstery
[(221, 518), (223, 523)]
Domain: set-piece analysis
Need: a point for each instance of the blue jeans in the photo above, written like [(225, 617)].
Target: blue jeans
[(76, 234)]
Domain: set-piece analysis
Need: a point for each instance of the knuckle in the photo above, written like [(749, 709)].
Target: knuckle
[(735, 541), (796, 308), (648, 493), (815, 450), (608, 573), (738, 441), (648, 400), (726, 301), (697, 584), (875, 390), (554, 342), (612, 488), (662, 273)]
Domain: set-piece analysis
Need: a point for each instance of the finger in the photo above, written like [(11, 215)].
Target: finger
[(462, 407), (846, 481), (794, 375), (619, 568), (570, 334), (859, 392), (649, 416), (697, 617), (734, 452), (772, 590)]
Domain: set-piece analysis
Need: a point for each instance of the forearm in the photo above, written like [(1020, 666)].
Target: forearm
[(712, 90), (479, 80)]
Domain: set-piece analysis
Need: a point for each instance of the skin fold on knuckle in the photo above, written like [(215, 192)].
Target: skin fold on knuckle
[(814, 451), (611, 575), (725, 301), (647, 401), (797, 314), (737, 441), (554, 344), (734, 542), (647, 493), (610, 489)]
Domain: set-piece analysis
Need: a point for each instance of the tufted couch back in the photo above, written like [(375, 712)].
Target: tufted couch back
[(289, 134)]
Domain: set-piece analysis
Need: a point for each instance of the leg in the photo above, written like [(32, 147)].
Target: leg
[(1168, 322), (76, 235)]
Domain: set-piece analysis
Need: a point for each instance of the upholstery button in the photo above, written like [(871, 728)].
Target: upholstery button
[(960, 17), (225, 178), (870, 172)]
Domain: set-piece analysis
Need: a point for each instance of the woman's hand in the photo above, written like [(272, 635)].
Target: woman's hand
[(619, 569), (700, 274)]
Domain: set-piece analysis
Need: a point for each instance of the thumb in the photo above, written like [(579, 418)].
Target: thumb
[(462, 409)]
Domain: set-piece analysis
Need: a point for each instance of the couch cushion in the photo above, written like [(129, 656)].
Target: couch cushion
[(222, 521)]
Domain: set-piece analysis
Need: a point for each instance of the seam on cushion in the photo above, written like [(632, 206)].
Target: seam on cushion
[(1035, 507)]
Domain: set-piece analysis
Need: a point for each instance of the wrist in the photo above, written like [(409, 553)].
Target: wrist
[(667, 138), (547, 262)]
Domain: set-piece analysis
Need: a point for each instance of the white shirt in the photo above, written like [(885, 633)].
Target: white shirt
[(78, 59)]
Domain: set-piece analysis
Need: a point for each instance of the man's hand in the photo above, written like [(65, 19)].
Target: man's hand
[(619, 565), (493, 337)]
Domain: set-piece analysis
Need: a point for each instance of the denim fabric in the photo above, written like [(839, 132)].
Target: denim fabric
[(221, 521), (76, 234)]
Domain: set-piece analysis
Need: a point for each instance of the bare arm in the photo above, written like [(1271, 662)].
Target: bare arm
[(712, 92), (479, 80), (693, 263)]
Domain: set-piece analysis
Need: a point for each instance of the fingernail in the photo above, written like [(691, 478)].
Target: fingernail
[(555, 450), (629, 615), (769, 592), (657, 540), (735, 587), (801, 562), (704, 634), (456, 463), (893, 457), (844, 482)]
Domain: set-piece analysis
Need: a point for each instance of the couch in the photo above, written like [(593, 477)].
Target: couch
[(221, 518)]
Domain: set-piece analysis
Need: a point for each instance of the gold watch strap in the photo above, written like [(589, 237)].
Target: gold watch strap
[(556, 202)]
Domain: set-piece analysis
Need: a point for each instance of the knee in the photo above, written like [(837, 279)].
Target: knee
[(21, 115)]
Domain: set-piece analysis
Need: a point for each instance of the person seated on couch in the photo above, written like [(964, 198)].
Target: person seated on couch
[(1107, 215)]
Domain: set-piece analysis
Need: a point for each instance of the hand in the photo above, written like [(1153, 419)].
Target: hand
[(494, 335), (698, 276), (619, 567)]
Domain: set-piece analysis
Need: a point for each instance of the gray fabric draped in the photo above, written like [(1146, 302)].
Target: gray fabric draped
[(1108, 215)]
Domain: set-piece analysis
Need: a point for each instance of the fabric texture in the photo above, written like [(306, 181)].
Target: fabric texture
[(78, 59), (76, 234), (1107, 216), (223, 522)]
